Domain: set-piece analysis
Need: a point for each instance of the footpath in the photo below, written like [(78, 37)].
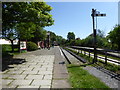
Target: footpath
[(41, 70)]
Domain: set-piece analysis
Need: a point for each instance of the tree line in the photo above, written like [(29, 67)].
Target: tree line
[(111, 41)]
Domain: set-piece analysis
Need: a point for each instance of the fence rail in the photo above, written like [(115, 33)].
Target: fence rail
[(99, 51)]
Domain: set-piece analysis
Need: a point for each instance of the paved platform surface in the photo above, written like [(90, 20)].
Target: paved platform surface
[(60, 73), (35, 73), (41, 70)]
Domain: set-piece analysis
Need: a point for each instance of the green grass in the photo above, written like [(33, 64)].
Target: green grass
[(109, 66), (80, 78)]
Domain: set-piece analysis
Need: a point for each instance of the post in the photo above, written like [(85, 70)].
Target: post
[(84, 52), (95, 14), (89, 53), (94, 34), (105, 57), (48, 39)]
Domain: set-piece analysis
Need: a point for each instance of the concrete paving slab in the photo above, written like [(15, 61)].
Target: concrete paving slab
[(45, 72), (32, 63), (19, 77), (49, 69), (21, 82), (48, 66), (45, 86), (25, 66), (14, 72), (35, 77), (40, 69), (14, 69), (47, 77), (27, 69), (11, 87), (34, 66), (41, 82), (6, 82), (30, 72), (5, 75), (33, 87)]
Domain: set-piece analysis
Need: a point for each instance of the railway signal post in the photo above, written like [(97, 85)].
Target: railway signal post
[(95, 14)]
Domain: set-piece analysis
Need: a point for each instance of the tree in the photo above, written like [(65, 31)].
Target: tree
[(19, 14), (26, 30), (60, 40), (114, 36), (11, 35), (70, 36), (52, 37), (39, 35)]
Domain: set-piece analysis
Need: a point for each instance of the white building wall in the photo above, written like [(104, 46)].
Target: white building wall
[(3, 41)]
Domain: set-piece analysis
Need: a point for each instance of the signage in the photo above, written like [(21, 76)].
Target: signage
[(100, 14), (23, 45)]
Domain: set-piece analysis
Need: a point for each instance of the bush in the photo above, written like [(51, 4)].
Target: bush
[(6, 49), (31, 46)]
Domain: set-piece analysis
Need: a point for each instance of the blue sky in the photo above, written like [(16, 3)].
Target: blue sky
[(76, 17)]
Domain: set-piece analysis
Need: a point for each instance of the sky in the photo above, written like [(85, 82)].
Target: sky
[(119, 13), (76, 17)]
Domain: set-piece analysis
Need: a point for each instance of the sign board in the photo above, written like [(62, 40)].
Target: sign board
[(23, 45), (100, 14)]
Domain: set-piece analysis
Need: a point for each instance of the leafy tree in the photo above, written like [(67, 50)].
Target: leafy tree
[(71, 36), (78, 42), (17, 12), (88, 41), (52, 36), (60, 40), (39, 35), (25, 15), (114, 36), (26, 30)]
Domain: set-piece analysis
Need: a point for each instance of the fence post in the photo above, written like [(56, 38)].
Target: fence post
[(89, 53), (77, 51), (84, 52), (106, 57), (81, 51)]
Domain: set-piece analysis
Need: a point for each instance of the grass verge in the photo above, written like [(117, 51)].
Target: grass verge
[(112, 67), (80, 78)]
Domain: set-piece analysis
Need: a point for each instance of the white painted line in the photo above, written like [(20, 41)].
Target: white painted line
[(61, 52)]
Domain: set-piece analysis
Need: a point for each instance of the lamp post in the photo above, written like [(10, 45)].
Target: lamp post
[(48, 39), (95, 14)]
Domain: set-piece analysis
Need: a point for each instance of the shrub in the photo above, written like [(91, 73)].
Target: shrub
[(31, 46), (6, 49)]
